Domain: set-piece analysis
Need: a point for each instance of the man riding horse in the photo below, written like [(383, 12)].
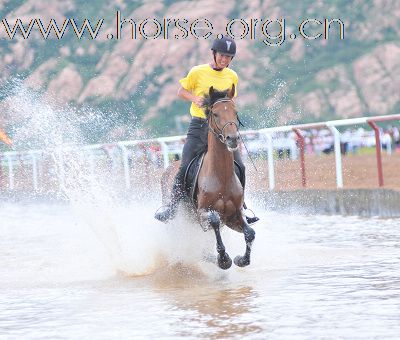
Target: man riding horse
[(193, 88)]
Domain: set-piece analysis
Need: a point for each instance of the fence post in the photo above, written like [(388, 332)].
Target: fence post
[(126, 165), (302, 158), (10, 173), (61, 175), (34, 171), (271, 170), (338, 156), (146, 161), (164, 148), (378, 151)]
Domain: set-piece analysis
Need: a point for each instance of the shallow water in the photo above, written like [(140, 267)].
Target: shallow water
[(114, 272)]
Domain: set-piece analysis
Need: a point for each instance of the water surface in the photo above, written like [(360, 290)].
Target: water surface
[(101, 273)]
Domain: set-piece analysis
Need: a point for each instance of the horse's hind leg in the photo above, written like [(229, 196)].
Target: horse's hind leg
[(249, 235), (212, 217)]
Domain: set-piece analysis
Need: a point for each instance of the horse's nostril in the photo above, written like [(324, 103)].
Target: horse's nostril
[(234, 138)]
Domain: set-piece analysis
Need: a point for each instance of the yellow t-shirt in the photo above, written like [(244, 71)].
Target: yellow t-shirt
[(200, 78)]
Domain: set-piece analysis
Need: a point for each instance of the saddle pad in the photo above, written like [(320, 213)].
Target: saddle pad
[(192, 175)]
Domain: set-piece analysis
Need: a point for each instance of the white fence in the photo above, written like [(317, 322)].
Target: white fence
[(47, 166)]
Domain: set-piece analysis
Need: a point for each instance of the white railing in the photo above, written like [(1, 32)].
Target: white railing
[(124, 154)]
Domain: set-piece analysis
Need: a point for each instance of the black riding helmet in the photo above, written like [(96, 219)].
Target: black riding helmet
[(226, 46)]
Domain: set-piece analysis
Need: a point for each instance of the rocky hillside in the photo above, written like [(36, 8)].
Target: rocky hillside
[(135, 80)]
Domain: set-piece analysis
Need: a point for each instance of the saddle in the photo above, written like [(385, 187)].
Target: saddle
[(192, 175)]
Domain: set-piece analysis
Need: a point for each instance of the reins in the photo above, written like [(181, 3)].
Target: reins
[(220, 134)]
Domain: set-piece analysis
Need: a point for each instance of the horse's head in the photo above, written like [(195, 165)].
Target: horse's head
[(222, 116)]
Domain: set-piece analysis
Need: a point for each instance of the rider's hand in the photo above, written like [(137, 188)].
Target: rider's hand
[(198, 101)]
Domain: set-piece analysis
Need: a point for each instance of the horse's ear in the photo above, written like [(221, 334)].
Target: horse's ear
[(211, 91), (231, 92)]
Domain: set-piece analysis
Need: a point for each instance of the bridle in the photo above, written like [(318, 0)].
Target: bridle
[(220, 133)]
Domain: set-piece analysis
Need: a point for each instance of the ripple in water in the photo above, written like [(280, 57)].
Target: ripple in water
[(98, 266)]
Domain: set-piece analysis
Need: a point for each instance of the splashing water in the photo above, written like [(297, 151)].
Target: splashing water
[(135, 243)]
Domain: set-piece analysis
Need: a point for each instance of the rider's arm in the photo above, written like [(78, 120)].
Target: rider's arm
[(187, 95)]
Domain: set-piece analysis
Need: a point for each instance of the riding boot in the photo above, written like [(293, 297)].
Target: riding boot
[(169, 211)]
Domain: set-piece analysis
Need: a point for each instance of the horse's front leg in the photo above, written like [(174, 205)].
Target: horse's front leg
[(249, 235), (212, 218)]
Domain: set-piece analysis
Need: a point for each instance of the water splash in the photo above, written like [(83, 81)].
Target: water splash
[(135, 243)]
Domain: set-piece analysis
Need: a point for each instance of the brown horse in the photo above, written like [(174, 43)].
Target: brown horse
[(219, 191)]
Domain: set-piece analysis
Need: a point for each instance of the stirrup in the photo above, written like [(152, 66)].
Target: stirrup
[(253, 219)]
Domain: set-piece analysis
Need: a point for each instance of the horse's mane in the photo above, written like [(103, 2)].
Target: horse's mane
[(210, 100)]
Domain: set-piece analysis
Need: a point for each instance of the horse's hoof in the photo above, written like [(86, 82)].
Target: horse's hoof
[(224, 261), (242, 261)]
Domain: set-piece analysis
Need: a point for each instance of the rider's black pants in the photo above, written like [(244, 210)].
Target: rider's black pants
[(196, 142)]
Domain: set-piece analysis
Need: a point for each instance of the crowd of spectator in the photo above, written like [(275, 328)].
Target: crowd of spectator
[(351, 140), (321, 141)]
